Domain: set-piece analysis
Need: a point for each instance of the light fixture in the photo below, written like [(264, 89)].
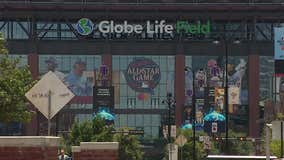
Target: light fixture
[(237, 41), (187, 69), (268, 125), (216, 41)]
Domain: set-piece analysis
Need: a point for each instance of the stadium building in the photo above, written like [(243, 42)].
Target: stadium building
[(142, 49)]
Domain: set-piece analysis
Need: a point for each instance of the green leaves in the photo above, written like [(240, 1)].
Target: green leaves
[(15, 81), (129, 147), (275, 148), (98, 131)]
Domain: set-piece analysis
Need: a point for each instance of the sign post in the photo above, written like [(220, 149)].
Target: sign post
[(207, 143), (49, 110)]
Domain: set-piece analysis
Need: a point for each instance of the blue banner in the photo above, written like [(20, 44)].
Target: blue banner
[(279, 43)]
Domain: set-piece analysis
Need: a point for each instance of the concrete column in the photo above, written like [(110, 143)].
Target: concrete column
[(253, 88), (179, 87)]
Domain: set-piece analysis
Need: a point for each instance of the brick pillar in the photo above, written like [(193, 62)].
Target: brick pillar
[(253, 85), (76, 152), (179, 87), (28, 148), (96, 150), (31, 128), (33, 64)]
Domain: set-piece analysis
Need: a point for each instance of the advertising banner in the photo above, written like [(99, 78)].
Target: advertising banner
[(234, 95), (143, 75), (188, 87), (279, 43), (219, 98), (279, 51)]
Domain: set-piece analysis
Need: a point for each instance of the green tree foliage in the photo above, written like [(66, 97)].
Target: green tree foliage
[(15, 81), (187, 149), (129, 147), (98, 131), (90, 131), (275, 148), (236, 147)]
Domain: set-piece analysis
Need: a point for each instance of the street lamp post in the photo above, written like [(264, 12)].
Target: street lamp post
[(170, 101), (235, 41), (193, 108), (227, 95)]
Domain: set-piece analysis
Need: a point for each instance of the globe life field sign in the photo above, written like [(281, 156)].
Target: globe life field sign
[(85, 27)]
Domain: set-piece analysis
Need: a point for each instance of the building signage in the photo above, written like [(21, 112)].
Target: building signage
[(279, 51), (104, 97), (149, 28), (279, 43), (143, 75)]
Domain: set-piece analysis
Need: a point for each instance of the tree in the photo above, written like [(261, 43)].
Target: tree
[(15, 81), (90, 131), (187, 149), (275, 148), (98, 131), (129, 147), (236, 146)]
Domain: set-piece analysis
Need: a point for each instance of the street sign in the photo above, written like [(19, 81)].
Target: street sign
[(129, 132), (173, 131), (51, 92), (201, 138), (181, 140), (214, 127)]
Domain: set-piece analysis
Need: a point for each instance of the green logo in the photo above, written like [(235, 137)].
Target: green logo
[(198, 28), (85, 26)]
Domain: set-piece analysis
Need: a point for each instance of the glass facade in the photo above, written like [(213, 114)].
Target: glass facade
[(132, 99), (129, 97), (150, 123), (23, 59), (209, 78), (76, 71)]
